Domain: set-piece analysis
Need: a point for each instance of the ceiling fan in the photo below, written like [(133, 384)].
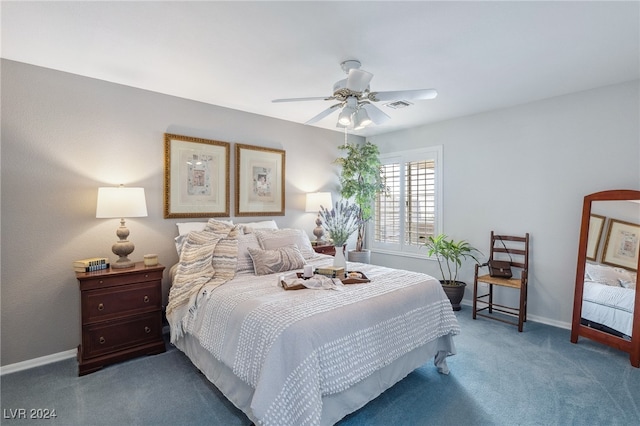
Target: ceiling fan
[(355, 98)]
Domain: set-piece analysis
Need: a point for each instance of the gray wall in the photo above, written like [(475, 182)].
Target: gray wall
[(63, 136), (546, 156)]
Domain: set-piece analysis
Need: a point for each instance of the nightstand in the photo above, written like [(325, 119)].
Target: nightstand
[(121, 315), (325, 249)]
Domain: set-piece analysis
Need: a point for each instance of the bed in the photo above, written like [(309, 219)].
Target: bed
[(299, 357), (608, 299)]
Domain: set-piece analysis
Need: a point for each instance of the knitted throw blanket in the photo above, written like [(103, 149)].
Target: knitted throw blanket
[(208, 259)]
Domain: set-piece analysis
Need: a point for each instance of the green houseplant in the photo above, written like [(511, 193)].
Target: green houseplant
[(450, 255), (361, 179)]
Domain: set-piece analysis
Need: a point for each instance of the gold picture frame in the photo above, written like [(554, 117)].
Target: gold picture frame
[(260, 180), (622, 245), (196, 177), (596, 225)]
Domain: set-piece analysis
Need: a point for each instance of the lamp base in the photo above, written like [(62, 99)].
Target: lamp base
[(123, 263), (123, 248), (318, 231)]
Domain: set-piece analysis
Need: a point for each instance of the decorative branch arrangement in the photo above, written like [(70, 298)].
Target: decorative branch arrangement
[(340, 222)]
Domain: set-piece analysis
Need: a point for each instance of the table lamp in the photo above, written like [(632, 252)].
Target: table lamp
[(121, 202), (314, 201)]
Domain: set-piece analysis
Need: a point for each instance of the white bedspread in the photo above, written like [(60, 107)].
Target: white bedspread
[(609, 305), (294, 347)]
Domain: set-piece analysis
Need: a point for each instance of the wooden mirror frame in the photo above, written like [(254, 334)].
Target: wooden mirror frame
[(632, 347)]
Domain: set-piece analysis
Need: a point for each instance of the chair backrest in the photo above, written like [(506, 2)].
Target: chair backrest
[(514, 249)]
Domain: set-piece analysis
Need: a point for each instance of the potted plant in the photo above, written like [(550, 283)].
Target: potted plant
[(450, 255), (361, 179), (340, 222)]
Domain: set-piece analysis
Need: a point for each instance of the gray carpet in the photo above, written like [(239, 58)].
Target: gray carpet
[(498, 377)]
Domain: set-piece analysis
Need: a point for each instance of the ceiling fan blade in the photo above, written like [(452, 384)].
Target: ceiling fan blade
[(323, 114), (318, 98), (407, 95), (376, 114), (358, 80)]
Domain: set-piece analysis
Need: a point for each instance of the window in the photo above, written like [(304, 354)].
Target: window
[(412, 209)]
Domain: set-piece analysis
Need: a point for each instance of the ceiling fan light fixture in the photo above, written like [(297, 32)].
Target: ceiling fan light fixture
[(361, 118), (345, 116)]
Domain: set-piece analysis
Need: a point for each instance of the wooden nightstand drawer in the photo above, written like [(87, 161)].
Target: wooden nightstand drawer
[(103, 338), (94, 280), (113, 302), (325, 249)]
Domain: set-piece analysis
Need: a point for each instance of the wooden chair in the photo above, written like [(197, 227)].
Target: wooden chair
[(515, 250)]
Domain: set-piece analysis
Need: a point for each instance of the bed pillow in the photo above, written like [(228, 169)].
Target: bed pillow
[(264, 224), (279, 260), (272, 239), (186, 227), (607, 275), (246, 241)]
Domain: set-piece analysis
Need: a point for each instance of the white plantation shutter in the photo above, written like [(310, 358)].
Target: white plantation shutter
[(411, 211)]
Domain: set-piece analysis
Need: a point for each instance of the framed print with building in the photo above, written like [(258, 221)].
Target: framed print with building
[(622, 245), (196, 177), (260, 180)]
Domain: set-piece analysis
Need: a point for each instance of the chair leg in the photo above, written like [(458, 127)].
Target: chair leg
[(475, 296), (490, 298), (523, 308)]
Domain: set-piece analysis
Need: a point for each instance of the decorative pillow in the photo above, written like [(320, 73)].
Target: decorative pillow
[(607, 275), (279, 260), (272, 239), (265, 224), (246, 241)]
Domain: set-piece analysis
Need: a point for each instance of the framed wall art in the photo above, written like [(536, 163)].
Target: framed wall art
[(259, 181), (622, 245), (596, 225), (196, 177)]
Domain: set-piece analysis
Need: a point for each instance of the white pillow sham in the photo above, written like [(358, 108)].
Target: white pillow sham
[(608, 275), (245, 242), (264, 224), (271, 239)]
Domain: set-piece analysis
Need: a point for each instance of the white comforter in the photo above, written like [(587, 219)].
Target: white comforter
[(294, 347), (609, 305)]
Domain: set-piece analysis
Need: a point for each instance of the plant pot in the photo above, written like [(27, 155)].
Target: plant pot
[(455, 293), (363, 256)]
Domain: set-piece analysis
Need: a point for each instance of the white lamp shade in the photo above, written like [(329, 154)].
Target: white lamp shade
[(121, 202), (317, 199)]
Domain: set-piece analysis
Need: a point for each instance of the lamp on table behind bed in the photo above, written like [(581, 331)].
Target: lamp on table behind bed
[(121, 202), (314, 201)]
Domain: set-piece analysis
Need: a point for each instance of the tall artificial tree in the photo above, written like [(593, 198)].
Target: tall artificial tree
[(361, 179)]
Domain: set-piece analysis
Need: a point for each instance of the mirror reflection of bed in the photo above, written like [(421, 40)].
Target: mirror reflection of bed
[(606, 275)]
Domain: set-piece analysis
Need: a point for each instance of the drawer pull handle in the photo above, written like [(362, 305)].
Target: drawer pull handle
[(101, 307), (102, 340), (146, 299), (147, 330)]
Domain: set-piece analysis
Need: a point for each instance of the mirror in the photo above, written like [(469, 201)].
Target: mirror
[(607, 272)]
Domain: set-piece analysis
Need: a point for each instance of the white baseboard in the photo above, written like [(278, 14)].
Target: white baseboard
[(534, 318), (37, 362)]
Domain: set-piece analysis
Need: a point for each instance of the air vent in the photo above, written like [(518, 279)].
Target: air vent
[(398, 104)]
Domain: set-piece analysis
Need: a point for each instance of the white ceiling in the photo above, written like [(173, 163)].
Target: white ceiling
[(480, 56)]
